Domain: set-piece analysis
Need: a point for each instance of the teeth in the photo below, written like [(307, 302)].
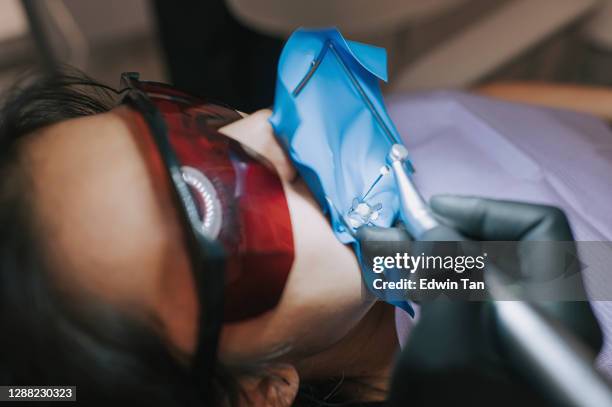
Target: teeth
[(354, 222), (363, 209), (362, 213)]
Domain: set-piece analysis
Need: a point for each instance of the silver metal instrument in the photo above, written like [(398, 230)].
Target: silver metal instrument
[(415, 212), (554, 356)]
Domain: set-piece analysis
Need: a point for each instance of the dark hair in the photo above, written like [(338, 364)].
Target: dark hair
[(47, 339)]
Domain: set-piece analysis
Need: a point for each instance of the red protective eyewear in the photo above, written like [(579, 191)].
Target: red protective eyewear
[(232, 204)]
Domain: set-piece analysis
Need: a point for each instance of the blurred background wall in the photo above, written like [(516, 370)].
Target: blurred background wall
[(102, 38), (228, 49)]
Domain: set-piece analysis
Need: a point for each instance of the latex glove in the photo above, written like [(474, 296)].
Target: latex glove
[(487, 219), (453, 353)]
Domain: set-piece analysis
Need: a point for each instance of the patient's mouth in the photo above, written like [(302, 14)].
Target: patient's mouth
[(362, 213)]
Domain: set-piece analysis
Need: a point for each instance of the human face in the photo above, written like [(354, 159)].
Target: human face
[(117, 235)]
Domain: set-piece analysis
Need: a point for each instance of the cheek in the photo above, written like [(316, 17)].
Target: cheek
[(317, 248), (177, 301), (325, 275), (323, 291)]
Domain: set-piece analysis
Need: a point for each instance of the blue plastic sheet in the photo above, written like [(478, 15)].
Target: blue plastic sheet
[(330, 116)]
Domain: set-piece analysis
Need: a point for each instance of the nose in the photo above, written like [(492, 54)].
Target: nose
[(256, 133)]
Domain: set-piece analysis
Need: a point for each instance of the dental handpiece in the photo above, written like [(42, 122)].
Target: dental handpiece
[(415, 212), (571, 364)]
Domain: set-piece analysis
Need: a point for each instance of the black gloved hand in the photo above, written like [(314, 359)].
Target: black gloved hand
[(487, 219), (453, 354)]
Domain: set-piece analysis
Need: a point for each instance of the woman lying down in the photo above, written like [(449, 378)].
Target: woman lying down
[(159, 250)]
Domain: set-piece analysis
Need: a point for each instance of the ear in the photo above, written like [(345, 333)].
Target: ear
[(276, 387)]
